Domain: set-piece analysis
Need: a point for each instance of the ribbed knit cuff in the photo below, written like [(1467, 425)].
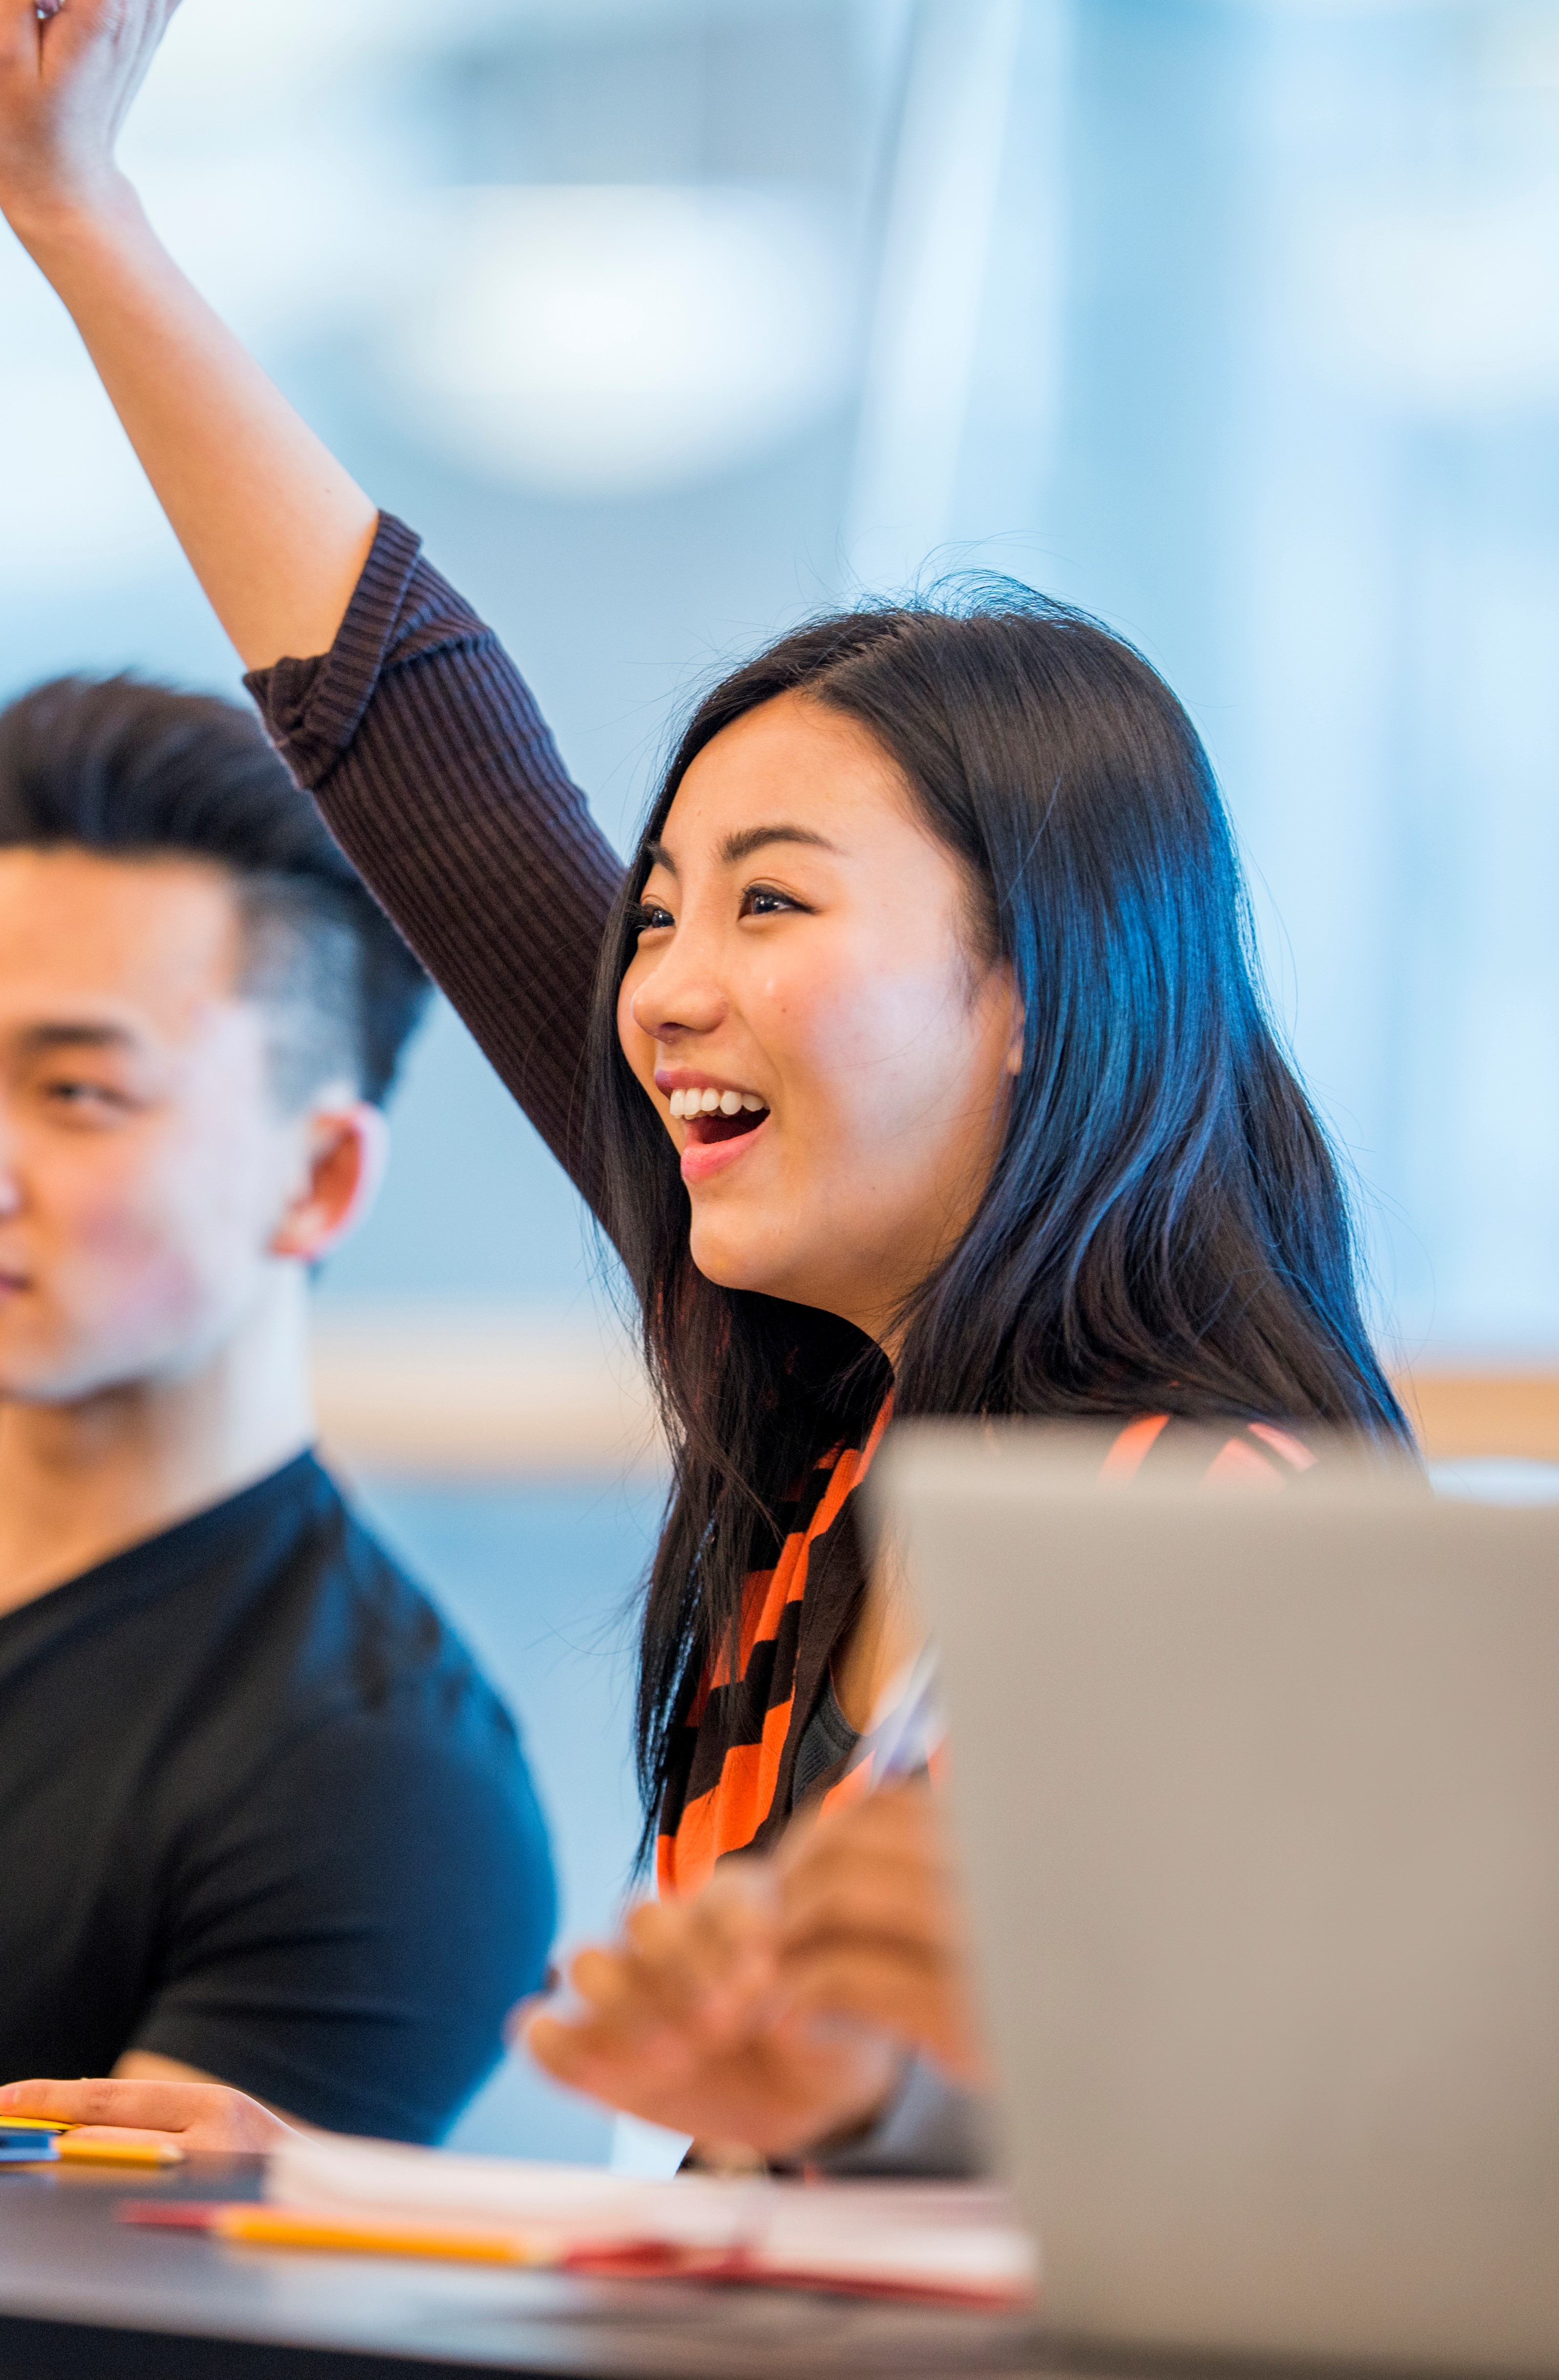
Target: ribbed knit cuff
[(312, 709)]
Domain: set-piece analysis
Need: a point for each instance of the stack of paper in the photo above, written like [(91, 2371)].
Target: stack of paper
[(949, 2242)]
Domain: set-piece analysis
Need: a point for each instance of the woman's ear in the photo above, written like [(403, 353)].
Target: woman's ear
[(348, 1149)]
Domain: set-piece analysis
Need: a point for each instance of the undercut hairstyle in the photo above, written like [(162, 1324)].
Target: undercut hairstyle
[(131, 770), (1165, 1228)]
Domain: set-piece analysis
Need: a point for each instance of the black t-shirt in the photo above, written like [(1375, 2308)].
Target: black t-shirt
[(260, 1812)]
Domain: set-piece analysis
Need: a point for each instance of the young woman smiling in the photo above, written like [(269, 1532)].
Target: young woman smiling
[(926, 1059)]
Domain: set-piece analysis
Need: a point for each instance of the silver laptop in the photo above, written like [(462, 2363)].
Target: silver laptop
[(1259, 1799)]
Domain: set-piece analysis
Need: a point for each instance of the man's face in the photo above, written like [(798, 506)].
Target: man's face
[(144, 1171)]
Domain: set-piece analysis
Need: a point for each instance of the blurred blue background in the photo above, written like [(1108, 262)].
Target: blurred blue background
[(1235, 320)]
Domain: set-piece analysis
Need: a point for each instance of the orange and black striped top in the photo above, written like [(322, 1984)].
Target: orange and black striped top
[(730, 1785), (434, 770)]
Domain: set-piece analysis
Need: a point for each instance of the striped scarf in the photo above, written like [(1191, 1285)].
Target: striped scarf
[(733, 1757)]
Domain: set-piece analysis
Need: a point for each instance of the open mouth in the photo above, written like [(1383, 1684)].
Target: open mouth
[(713, 1116), (705, 1130)]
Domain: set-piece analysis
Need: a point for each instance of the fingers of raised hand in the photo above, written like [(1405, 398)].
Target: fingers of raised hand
[(19, 34), (109, 20)]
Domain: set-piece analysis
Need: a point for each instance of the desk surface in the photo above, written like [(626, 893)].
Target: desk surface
[(80, 2293)]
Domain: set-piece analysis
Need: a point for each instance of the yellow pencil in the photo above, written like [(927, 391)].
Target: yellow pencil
[(282, 2228), (33, 2124), (155, 2152)]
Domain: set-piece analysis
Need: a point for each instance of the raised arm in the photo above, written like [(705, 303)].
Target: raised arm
[(439, 778), (277, 530), (411, 727)]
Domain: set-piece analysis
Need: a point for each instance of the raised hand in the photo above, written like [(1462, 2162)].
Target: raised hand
[(69, 72), (278, 533)]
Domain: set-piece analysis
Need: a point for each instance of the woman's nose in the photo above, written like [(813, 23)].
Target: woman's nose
[(682, 993)]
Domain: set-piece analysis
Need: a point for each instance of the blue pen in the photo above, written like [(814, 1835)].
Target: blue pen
[(26, 2148)]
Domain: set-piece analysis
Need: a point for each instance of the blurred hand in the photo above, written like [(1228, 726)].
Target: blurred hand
[(873, 1928), (191, 2114), (683, 2022), (67, 80), (775, 2010)]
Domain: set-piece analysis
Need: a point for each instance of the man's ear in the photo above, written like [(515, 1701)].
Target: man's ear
[(347, 1151)]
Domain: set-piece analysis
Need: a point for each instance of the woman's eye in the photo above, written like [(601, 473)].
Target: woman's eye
[(763, 900), (649, 917)]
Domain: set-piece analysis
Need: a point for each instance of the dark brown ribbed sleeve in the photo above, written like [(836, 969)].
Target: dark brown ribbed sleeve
[(439, 778)]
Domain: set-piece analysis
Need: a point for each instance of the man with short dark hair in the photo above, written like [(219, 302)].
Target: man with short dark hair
[(262, 1819)]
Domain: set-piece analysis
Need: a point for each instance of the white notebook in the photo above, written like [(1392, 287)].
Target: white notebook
[(934, 2240)]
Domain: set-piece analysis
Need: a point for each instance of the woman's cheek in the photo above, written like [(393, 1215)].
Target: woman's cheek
[(807, 1018)]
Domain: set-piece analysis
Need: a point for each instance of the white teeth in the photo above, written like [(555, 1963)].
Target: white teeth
[(713, 1102)]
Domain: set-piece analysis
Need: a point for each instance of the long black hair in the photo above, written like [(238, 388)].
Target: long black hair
[(1164, 1228)]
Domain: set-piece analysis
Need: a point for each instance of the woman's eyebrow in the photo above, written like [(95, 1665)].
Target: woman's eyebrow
[(750, 839), (743, 844)]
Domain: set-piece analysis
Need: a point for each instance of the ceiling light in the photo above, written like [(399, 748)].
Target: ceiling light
[(610, 341)]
